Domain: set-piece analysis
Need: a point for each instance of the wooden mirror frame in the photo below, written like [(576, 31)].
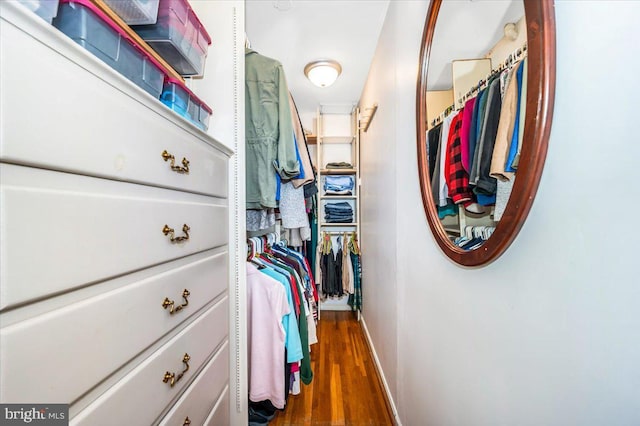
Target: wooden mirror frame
[(541, 54)]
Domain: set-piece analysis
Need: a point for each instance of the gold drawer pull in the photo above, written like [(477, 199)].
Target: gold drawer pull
[(187, 422), (171, 233), (171, 377), (170, 303), (180, 169)]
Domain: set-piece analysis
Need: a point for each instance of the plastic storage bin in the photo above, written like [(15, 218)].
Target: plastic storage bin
[(135, 12), (46, 9), (178, 36), (179, 98), (88, 26)]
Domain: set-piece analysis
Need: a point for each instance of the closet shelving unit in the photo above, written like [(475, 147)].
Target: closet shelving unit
[(337, 140)]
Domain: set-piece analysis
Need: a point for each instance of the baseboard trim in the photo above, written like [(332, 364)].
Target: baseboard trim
[(385, 385)]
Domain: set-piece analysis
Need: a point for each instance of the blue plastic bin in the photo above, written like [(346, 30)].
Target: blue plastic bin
[(88, 26), (180, 99)]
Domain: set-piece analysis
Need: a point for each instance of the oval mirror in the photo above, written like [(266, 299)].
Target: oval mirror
[(485, 96)]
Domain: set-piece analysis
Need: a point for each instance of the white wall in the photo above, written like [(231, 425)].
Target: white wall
[(549, 334), (378, 207)]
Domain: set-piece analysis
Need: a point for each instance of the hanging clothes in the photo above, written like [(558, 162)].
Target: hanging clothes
[(433, 140), (338, 290), (435, 181), (293, 209), (355, 299), (522, 112), (291, 271), (270, 144), (506, 125), (465, 132), (303, 149), (312, 244), (306, 373), (347, 267), (485, 185), (260, 222), (457, 176), (476, 129), (513, 149), (443, 189), (266, 307), (329, 276)]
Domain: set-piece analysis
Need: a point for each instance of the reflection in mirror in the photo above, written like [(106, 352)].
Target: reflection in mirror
[(484, 104), (476, 104)]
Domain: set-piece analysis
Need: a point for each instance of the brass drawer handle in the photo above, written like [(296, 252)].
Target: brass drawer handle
[(171, 233), (171, 377), (170, 303), (179, 169), (187, 422)]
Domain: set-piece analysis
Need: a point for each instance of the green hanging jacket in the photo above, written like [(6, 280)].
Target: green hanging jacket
[(270, 144)]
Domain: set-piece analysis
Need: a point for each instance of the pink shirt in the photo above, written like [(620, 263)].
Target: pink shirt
[(266, 305)]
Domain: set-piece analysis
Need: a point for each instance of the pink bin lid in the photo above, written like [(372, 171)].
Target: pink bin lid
[(202, 28)]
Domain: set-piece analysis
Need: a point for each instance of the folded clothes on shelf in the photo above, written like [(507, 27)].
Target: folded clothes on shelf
[(337, 184), (340, 165), (339, 206), (341, 212)]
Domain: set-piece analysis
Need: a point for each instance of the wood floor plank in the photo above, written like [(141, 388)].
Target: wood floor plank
[(345, 389)]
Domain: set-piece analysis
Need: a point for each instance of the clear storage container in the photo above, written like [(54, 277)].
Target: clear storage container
[(180, 99), (88, 26), (178, 36), (46, 9), (135, 12)]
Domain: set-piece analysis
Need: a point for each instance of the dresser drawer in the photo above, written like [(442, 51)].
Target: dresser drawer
[(78, 115), (141, 396), (219, 415), (62, 231), (113, 328), (196, 403)]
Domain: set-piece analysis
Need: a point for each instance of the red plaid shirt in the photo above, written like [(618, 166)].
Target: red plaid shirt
[(456, 176)]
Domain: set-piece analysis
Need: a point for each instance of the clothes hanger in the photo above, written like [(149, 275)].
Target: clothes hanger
[(468, 232), (327, 243), (251, 251)]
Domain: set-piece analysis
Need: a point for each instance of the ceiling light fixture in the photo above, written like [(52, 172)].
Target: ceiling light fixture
[(511, 31), (282, 5), (323, 73)]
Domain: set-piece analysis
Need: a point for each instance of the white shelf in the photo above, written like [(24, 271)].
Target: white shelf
[(339, 224), (336, 139), (338, 171), (338, 197)]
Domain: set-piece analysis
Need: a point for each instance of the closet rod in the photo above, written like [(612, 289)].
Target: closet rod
[(367, 118), (338, 232), (513, 58)]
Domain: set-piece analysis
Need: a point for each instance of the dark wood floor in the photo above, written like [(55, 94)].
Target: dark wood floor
[(346, 389)]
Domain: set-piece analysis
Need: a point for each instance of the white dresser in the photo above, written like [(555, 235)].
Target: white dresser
[(114, 266)]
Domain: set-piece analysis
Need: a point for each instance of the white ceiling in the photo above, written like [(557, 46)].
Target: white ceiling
[(307, 30), (296, 32), (467, 29)]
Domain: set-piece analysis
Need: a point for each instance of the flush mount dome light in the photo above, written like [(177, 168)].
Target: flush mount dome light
[(323, 73)]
